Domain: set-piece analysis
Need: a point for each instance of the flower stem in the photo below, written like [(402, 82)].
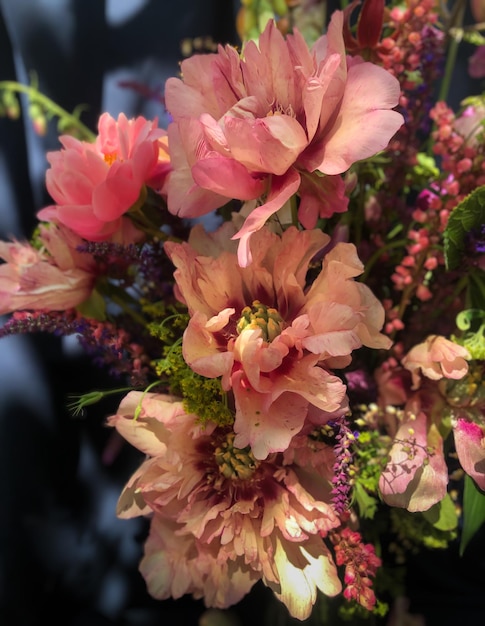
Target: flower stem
[(457, 24), (67, 121)]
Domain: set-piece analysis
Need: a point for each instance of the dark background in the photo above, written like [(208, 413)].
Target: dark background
[(64, 556)]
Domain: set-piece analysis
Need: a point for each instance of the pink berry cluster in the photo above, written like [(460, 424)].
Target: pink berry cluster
[(414, 53), (458, 142), (360, 562)]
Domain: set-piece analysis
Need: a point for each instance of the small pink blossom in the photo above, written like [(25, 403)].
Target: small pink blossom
[(435, 358), (268, 124), (272, 339), (53, 278), (95, 184), (221, 519)]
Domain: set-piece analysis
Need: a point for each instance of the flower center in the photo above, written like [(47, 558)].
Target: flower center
[(278, 109), (235, 463), (110, 158), (258, 315)]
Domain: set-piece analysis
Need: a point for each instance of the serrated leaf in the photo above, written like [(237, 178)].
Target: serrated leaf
[(469, 214), (442, 515), (473, 512)]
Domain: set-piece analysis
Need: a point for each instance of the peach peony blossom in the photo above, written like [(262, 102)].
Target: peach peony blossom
[(271, 339), (221, 519), (54, 278), (94, 184), (435, 358), (250, 128)]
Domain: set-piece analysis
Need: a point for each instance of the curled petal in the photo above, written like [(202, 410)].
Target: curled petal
[(282, 188), (269, 145)]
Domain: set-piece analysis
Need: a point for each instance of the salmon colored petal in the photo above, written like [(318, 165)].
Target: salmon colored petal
[(365, 123), (227, 177), (271, 144), (264, 425), (282, 188)]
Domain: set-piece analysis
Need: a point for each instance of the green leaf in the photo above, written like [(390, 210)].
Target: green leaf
[(442, 515), (469, 214), (473, 512), (366, 503), (94, 307)]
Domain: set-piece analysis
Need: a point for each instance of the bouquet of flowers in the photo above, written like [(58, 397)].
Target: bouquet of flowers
[(289, 282)]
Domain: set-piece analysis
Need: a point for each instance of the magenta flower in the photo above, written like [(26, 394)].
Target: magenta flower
[(249, 128), (221, 519), (470, 447), (54, 278), (95, 184), (272, 340)]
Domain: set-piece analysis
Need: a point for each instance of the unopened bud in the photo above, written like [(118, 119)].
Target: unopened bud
[(10, 105), (39, 120)]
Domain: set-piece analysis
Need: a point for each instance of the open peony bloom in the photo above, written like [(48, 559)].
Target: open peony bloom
[(261, 126), (272, 340), (436, 358), (95, 184), (54, 278), (221, 519)]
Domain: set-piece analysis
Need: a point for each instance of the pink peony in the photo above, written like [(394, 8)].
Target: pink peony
[(221, 519), (271, 338), (95, 184), (435, 358), (271, 123), (54, 278)]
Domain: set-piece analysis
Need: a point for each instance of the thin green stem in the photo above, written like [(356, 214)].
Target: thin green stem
[(399, 243), (459, 15), (68, 119), (127, 309)]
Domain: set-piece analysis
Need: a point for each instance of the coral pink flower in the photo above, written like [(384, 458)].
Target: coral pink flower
[(222, 519), (270, 338), (416, 475), (470, 448), (435, 358), (55, 278), (95, 184), (248, 127)]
